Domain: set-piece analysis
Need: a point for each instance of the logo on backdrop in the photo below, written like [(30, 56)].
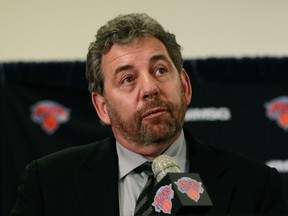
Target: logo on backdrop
[(280, 165), (49, 114), (277, 110), (208, 114)]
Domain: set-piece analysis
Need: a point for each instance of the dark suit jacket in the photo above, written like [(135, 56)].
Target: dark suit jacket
[(84, 181)]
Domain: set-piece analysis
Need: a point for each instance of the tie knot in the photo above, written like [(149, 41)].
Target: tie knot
[(146, 168)]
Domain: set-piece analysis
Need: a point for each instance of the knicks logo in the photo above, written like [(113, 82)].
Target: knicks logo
[(162, 200), (49, 114), (277, 109), (191, 187)]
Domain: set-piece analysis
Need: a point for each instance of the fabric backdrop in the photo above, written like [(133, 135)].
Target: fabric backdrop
[(238, 104)]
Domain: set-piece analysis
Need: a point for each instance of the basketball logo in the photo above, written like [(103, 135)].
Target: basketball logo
[(191, 187)]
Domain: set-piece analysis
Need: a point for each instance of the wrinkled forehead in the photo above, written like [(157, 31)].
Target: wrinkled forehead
[(143, 49)]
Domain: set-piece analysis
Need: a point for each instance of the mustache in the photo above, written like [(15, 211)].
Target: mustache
[(152, 104)]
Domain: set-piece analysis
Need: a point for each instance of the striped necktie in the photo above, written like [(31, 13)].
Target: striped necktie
[(142, 205)]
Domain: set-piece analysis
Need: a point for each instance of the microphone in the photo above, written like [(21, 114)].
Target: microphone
[(176, 193), (162, 165)]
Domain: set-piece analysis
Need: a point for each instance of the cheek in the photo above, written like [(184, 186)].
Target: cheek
[(175, 93), (122, 106)]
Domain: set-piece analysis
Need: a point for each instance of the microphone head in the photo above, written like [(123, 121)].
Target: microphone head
[(162, 165)]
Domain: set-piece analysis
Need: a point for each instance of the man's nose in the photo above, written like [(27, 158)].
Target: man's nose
[(149, 87)]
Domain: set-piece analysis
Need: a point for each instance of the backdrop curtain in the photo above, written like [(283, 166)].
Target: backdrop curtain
[(238, 104)]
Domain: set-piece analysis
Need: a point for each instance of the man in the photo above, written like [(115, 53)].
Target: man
[(139, 88)]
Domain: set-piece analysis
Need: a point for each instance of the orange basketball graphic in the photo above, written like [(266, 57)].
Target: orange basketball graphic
[(277, 109), (50, 122), (193, 194), (283, 118), (166, 205)]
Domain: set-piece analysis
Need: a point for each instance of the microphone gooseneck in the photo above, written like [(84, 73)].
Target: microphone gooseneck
[(162, 165)]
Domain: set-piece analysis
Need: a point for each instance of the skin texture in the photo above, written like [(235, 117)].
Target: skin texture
[(145, 97)]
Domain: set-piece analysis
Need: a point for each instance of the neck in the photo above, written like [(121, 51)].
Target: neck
[(151, 150)]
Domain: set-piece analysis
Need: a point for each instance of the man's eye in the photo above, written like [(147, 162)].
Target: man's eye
[(127, 80), (161, 71)]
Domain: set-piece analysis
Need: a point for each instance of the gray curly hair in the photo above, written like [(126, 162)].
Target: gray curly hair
[(125, 29)]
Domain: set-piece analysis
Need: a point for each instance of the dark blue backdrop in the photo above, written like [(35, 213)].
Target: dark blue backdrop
[(237, 104)]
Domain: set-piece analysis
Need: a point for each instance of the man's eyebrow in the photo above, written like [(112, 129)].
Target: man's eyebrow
[(159, 57), (123, 68), (152, 59)]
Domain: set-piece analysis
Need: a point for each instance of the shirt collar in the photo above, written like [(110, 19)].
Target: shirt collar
[(129, 160)]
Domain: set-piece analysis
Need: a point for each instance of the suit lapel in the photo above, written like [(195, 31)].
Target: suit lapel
[(97, 180), (213, 172)]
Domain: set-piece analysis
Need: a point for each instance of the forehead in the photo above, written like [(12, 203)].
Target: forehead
[(142, 49)]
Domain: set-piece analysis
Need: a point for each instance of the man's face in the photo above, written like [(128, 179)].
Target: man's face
[(145, 98)]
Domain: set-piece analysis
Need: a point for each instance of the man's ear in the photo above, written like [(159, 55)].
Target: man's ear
[(100, 107), (187, 88)]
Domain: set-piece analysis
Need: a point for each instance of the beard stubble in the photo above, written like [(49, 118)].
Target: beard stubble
[(157, 130)]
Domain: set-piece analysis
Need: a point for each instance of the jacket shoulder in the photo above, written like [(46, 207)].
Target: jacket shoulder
[(73, 155)]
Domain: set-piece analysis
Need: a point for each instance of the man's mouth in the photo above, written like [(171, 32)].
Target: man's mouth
[(154, 113)]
